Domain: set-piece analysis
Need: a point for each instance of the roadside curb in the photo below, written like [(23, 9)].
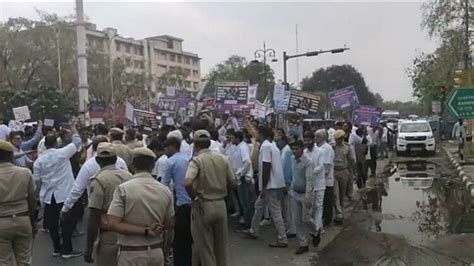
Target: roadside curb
[(467, 179)]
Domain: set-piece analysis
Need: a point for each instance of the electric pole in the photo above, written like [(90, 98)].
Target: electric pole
[(82, 86)]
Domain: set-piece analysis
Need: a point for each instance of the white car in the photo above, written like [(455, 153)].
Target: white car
[(415, 136)]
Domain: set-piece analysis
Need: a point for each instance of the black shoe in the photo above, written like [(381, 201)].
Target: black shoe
[(278, 245), (316, 239), (72, 254), (290, 235), (338, 221), (302, 250), (57, 253)]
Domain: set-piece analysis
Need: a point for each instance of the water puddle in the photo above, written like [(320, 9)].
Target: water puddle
[(414, 202)]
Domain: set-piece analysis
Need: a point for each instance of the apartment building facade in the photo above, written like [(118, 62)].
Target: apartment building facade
[(154, 56)]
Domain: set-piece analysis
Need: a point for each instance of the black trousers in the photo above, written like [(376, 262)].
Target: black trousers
[(328, 206), (183, 240), (53, 223), (361, 175)]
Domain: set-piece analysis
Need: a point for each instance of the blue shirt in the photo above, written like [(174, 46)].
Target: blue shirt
[(286, 155), (177, 165)]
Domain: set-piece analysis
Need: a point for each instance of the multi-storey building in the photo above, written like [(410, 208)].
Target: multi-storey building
[(154, 55)]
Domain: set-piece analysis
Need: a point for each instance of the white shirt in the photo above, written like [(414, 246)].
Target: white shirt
[(458, 130), (160, 166), (244, 165), (4, 132), (384, 134), (331, 132), (84, 178), (317, 156), (215, 146), (185, 148), (53, 172), (269, 153), (328, 159), (41, 148), (233, 155)]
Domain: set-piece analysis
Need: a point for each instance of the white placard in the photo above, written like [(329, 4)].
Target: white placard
[(21, 113), (129, 111), (48, 122), (279, 92), (169, 121), (171, 91)]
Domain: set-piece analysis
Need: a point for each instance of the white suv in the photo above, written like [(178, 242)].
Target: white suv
[(415, 136)]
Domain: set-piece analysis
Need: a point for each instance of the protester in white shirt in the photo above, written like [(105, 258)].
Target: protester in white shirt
[(54, 177), (4, 132), (384, 141), (328, 160), (316, 155), (88, 171), (272, 186)]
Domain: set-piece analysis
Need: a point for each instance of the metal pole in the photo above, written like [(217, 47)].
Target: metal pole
[(111, 74), (58, 51), (284, 70), (82, 86), (467, 61), (265, 66)]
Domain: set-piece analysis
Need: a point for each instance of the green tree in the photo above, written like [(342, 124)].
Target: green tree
[(324, 80), (238, 68), (174, 78)]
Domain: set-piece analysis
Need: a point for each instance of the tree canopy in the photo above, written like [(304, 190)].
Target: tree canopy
[(334, 77), (238, 68)]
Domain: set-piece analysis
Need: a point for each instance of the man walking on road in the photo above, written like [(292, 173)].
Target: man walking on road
[(122, 150), (271, 185), (302, 195), (101, 192), (141, 211), (328, 161), (209, 179), (177, 164), (17, 209), (343, 162), (54, 178)]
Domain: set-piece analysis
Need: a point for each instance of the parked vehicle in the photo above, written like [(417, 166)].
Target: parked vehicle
[(415, 136)]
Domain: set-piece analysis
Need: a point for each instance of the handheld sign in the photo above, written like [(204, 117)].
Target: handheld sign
[(304, 102), (343, 98), (366, 115), (48, 122), (21, 113)]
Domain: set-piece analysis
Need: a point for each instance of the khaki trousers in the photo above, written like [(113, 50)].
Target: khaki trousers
[(107, 249), (341, 183), (150, 257), (209, 231), (16, 240)]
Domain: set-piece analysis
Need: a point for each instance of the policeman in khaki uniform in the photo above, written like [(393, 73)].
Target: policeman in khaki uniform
[(343, 162), (17, 209), (208, 179), (101, 192), (122, 150), (141, 212)]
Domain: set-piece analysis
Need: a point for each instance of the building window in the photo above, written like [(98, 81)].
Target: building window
[(195, 85), (127, 48), (173, 57), (187, 60), (117, 46), (172, 68), (187, 84), (140, 51), (139, 64), (179, 59), (170, 44), (163, 56), (195, 62), (162, 69), (187, 72), (195, 73)]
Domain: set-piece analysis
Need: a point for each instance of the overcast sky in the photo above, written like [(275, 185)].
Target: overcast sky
[(383, 37)]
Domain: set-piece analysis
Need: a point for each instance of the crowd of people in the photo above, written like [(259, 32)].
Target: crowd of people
[(166, 196)]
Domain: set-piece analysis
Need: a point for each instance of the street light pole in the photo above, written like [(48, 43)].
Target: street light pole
[(111, 74), (265, 52), (83, 86), (308, 54)]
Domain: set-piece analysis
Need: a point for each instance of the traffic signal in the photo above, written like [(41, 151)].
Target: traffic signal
[(459, 78)]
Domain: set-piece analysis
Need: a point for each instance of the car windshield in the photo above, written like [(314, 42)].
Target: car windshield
[(415, 127)]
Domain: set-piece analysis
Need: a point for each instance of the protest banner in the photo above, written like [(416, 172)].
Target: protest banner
[(166, 104), (48, 122), (343, 98), (21, 113), (232, 92), (171, 91), (366, 115), (282, 105), (206, 104), (146, 119), (129, 111), (252, 94), (304, 103)]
